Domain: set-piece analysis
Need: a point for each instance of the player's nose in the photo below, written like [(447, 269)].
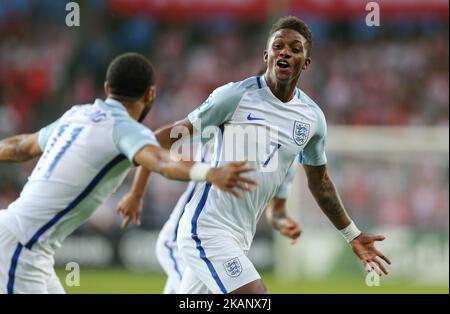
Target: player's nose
[(285, 53)]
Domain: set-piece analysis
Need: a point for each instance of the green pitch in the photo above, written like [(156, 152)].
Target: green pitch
[(123, 281)]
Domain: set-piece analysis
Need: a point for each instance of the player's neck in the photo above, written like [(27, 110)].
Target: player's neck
[(134, 108), (284, 91)]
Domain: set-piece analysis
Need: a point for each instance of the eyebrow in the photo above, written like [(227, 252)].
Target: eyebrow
[(294, 41)]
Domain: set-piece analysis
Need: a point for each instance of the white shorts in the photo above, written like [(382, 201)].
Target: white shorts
[(214, 264), (25, 271), (171, 262)]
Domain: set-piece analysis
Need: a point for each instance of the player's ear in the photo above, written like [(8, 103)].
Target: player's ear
[(306, 64), (150, 93), (265, 56), (106, 88)]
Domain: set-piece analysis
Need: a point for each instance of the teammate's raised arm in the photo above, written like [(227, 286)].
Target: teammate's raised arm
[(20, 148)]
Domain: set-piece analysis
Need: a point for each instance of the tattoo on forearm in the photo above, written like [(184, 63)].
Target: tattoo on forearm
[(328, 199)]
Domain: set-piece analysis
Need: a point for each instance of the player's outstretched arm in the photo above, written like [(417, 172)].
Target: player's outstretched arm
[(277, 216), (169, 134), (130, 206), (324, 191), (227, 178), (20, 148)]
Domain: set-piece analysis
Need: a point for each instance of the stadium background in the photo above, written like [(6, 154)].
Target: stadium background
[(384, 91)]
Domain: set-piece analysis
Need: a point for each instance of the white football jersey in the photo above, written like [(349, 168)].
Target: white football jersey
[(169, 231), (87, 153), (297, 131)]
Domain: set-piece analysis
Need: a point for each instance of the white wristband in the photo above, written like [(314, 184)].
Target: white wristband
[(350, 232), (198, 171)]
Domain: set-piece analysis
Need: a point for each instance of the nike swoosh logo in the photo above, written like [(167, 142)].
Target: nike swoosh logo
[(251, 118)]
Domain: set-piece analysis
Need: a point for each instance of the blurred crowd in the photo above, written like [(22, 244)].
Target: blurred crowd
[(397, 75), (402, 190)]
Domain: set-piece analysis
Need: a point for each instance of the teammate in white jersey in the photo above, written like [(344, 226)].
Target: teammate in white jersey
[(166, 246), (216, 230), (85, 155)]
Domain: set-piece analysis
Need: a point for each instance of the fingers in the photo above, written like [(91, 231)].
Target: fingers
[(137, 218), (126, 220), (290, 236), (248, 180), (380, 255), (236, 193), (378, 238), (291, 232), (244, 187), (229, 178), (245, 169), (377, 266), (381, 266), (295, 233), (371, 266), (383, 257), (367, 266), (290, 229), (238, 163), (241, 169), (374, 264)]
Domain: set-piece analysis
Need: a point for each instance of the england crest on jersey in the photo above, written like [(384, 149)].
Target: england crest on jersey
[(233, 267), (300, 132)]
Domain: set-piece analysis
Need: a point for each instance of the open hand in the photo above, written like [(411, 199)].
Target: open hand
[(364, 247), (228, 177)]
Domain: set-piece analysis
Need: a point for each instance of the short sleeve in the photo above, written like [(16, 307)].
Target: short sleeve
[(314, 152), (44, 134), (218, 108), (285, 187), (130, 137)]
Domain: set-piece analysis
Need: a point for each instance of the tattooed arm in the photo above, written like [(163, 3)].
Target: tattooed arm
[(324, 191)]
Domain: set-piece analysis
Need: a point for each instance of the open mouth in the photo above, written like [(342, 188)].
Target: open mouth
[(283, 64)]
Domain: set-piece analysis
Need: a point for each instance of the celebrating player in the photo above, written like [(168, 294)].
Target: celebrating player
[(86, 154), (216, 230)]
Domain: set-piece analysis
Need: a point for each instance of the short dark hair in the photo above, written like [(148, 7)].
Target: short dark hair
[(129, 75), (296, 24)]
